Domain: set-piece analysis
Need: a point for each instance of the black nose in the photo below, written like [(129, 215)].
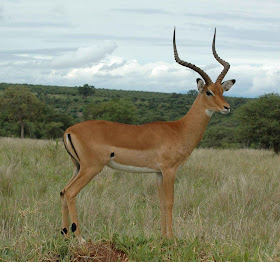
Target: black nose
[(226, 107)]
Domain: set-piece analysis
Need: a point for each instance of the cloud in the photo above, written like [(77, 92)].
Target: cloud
[(255, 80), (59, 58), (78, 36), (240, 21), (34, 25), (97, 65), (84, 55), (119, 73), (267, 79), (143, 11), (104, 70), (1, 13)]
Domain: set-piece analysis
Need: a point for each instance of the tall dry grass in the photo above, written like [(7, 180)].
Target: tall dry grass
[(227, 206)]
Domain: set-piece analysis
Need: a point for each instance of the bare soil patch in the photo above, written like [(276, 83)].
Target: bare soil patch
[(100, 251)]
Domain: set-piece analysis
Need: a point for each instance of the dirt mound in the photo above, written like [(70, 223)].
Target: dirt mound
[(100, 251)]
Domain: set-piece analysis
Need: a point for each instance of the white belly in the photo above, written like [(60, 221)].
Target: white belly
[(133, 169)]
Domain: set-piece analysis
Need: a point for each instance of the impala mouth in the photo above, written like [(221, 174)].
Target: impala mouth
[(224, 112)]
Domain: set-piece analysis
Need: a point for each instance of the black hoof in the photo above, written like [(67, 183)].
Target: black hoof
[(73, 227), (63, 231)]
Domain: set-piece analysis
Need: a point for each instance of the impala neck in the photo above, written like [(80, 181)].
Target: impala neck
[(195, 122)]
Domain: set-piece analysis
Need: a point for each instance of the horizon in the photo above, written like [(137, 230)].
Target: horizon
[(124, 90)]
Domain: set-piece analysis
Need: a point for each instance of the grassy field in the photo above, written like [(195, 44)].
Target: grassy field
[(227, 207)]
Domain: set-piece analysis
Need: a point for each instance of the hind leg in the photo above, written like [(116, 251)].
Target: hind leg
[(84, 176), (64, 207)]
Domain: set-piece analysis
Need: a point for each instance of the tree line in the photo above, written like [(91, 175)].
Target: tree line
[(44, 112)]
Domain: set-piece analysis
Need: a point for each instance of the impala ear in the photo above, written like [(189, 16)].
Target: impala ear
[(228, 84), (200, 85)]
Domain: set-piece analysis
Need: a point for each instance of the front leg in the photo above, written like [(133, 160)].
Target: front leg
[(162, 203), (169, 175)]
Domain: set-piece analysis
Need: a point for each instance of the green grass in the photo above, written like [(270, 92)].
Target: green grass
[(227, 207)]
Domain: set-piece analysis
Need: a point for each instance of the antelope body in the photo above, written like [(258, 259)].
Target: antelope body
[(157, 147)]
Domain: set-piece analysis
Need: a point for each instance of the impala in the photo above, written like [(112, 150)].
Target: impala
[(157, 147)]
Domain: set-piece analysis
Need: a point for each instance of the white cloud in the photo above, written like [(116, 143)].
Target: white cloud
[(267, 79), (255, 80), (97, 65), (131, 75), (83, 56)]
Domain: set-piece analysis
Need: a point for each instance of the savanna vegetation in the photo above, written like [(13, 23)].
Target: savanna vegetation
[(226, 207), (226, 196)]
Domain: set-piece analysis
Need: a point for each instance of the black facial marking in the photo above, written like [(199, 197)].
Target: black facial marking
[(73, 227), (64, 231), (112, 154), (208, 93), (61, 193)]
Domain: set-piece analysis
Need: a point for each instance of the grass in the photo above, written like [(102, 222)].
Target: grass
[(227, 207)]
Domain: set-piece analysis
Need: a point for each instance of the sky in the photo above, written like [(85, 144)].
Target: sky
[(127, 44)]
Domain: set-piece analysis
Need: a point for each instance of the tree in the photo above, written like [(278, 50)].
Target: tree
[(21, 105), (55, 124), (86, 90), (219, 136), (193, 92), (53, 130), (117, 110), (260, 122)]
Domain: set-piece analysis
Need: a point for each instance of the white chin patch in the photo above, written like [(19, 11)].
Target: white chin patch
[(133, 169), (224, 112), (209, 112)]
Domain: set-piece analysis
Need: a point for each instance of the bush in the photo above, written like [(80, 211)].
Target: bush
[(260, 122), (117, 110)]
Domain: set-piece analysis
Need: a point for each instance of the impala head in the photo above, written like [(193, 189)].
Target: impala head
[(211, 93)]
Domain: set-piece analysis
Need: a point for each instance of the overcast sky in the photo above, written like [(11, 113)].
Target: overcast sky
[(128, 44)]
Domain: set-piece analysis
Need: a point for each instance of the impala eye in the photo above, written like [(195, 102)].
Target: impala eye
[(208, 93)]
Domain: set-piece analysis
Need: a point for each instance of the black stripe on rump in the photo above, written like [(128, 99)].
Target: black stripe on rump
[(75, 160), (69, 137)]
